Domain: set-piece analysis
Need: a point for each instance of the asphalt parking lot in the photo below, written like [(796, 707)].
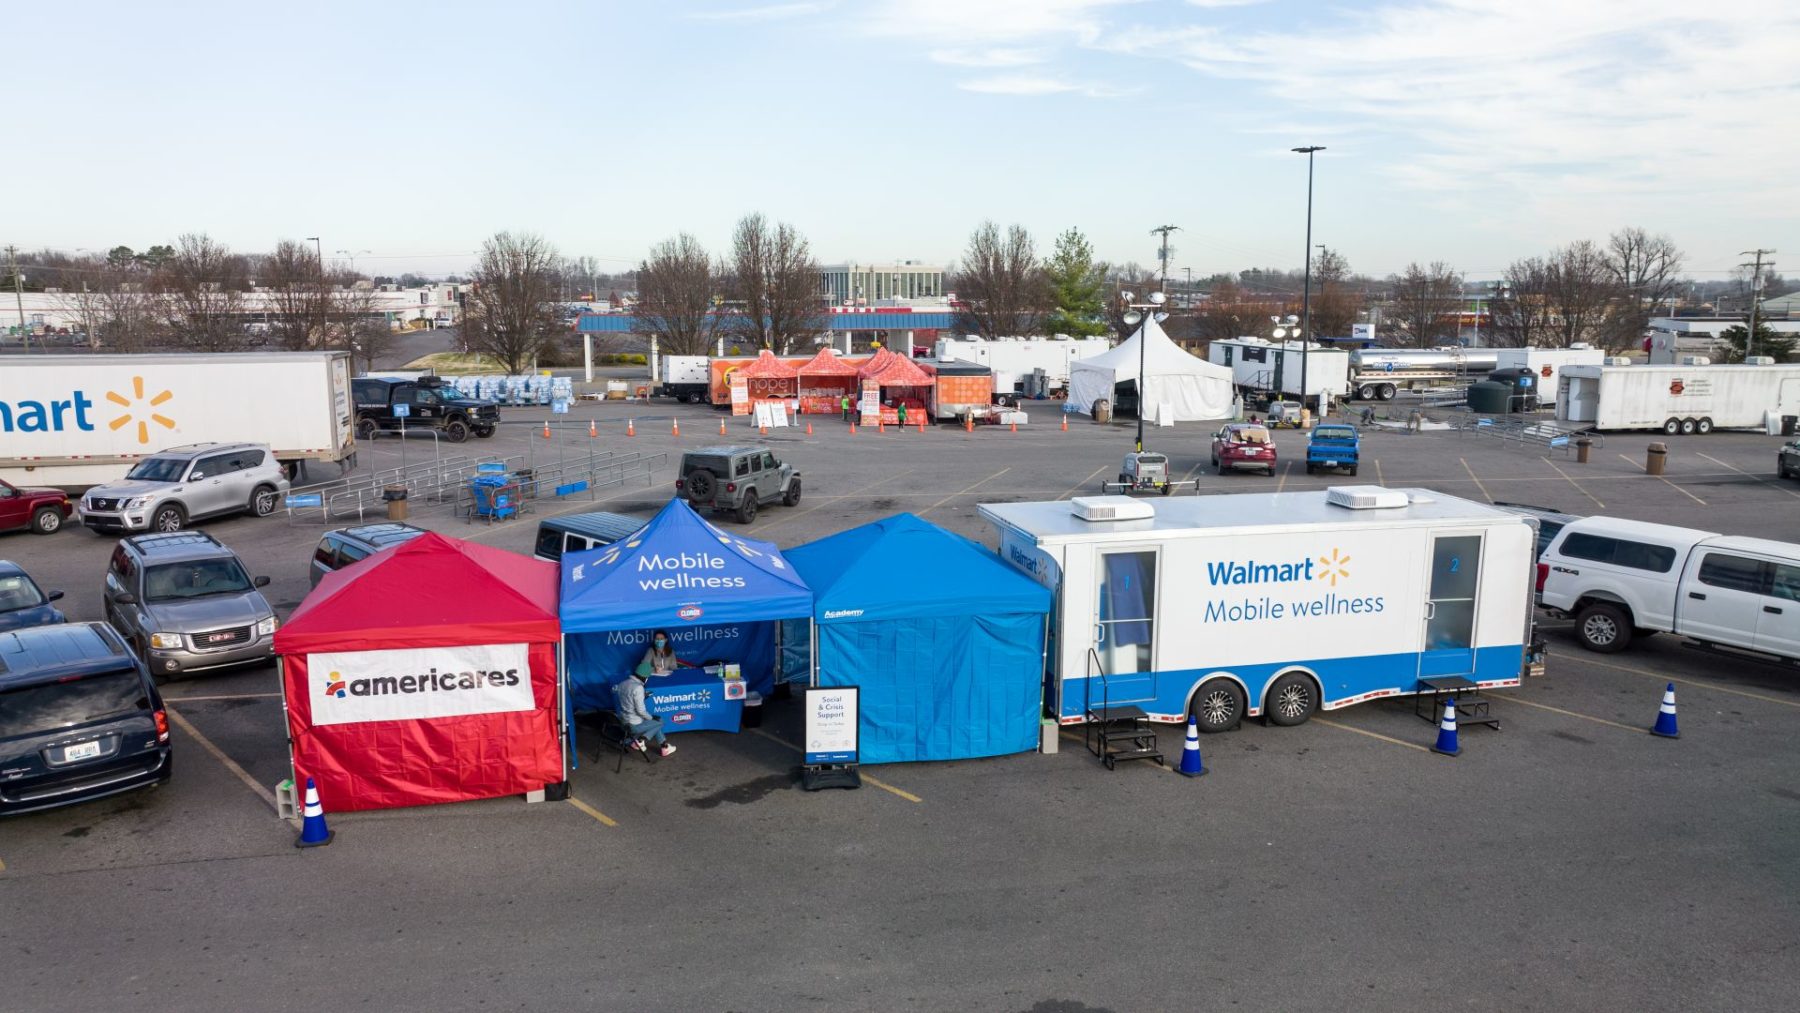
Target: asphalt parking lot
[(1570, 861)]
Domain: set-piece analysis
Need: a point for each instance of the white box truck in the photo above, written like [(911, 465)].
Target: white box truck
[(1016, 359), (686, 378), (1677, 399), (1263, 368), (1546, 365), (1279, 605), (79, 420)]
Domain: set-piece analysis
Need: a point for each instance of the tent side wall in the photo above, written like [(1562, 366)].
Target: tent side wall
[(941, 687)]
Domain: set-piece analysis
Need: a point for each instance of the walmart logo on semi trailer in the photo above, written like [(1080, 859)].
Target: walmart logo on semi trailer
[(1330, 567), (70, 414)]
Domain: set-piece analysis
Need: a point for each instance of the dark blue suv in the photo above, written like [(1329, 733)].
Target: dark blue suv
[(80, 718)]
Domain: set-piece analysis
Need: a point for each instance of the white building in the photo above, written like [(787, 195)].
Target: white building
[(437, 305), (1671, 338), (855, 284)]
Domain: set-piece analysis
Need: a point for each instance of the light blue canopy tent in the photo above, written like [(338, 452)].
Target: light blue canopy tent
[(945, 640), (718, 595)]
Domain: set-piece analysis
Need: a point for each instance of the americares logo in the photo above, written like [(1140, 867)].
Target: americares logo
[(431, 681), (58, 415)]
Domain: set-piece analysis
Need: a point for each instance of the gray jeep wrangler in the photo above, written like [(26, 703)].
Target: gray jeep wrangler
[(738, 479)]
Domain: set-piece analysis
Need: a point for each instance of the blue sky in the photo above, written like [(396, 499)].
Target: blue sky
[(1469, 131)]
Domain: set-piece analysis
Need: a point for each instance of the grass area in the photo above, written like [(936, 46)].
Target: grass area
[(456, 364)]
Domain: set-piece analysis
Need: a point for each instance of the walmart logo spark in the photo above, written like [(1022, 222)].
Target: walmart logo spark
[(1334, 566), (143, 415)]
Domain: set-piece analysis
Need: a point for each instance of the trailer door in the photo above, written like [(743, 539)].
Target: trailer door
[(1449, 647), (1125, 629)]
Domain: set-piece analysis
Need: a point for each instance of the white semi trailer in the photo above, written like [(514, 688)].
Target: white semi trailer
[(1677, 399), (1015, 359), (79, 420)]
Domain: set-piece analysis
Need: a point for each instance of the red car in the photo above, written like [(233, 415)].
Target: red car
[(41, 510), (1242, 446)]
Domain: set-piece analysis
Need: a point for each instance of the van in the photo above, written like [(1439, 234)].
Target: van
[(581, 532), (80, 718)]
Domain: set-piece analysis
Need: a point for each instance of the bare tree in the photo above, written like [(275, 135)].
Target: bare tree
[(1128, 278), (298, 294), (132, 308), (1647, 270), (1000, 285), (776, 280), (677, 286), (1521, 312), (1336, 301), (1580, 295), (511, 313), (1425, 303), (202, 295), (359, 325), (83, 299)]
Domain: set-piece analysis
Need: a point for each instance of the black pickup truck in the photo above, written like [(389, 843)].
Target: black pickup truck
[(431, 405)]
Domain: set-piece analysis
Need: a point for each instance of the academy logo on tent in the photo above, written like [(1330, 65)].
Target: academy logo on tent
[(334, 685)]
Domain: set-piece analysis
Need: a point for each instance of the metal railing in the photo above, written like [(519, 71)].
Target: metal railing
[(1544, 436), (564, 479)]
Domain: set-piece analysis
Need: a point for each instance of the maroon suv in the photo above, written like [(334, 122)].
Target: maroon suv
[(41, 510), (1243, 446)]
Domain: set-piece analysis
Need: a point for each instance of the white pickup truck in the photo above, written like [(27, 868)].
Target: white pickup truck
[(1621, 580)]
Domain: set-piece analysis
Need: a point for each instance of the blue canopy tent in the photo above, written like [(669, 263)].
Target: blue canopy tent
[(945, 640), (719, 597)]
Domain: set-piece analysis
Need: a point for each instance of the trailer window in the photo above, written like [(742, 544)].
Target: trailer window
[(1127, 611)]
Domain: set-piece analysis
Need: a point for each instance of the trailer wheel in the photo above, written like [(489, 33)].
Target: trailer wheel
[(1386, 392), (1689, 427), (1291, 701), (1703, 426), (1367, 392), (1672, 427), (695, 397), (1603, 627), (1218, 706)]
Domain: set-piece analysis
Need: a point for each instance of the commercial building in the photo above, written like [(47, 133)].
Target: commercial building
[(855, 284), (436, 305)]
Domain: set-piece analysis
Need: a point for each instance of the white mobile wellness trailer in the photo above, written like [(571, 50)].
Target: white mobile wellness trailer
[(1276, 604)]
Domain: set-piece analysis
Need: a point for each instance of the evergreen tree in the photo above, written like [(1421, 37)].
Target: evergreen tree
[(1077, 288)]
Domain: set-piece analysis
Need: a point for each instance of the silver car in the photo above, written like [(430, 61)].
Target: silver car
[(165, 491), (185, 604)]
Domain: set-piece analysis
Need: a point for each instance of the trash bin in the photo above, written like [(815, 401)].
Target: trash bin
[(1102, 410), (1655, 458), (1789, 424), (395, 497), (1582, 446), (753, 702)]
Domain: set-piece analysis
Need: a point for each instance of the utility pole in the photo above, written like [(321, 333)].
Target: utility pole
[(1755, 293), (12, 262), (1162, 255)]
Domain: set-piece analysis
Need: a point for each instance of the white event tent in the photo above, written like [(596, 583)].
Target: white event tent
[(1193, 388)]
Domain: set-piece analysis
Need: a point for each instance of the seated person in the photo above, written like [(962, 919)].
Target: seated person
[(659, 657), (628, 697)]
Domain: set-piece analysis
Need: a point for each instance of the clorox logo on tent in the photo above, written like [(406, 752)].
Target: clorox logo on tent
[(689, 612), (334, 685), (681, 717)]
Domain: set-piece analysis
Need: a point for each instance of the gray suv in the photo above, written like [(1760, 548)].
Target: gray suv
[(184, 603), (166, 490), (737, 479)]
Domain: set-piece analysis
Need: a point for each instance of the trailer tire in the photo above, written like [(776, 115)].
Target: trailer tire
[(1367, 392), (694, 397), (1689, 427), (1386, 392), (1703, 426), (1672, 427), (1603, 627), (1218, 706), (1292, 700)]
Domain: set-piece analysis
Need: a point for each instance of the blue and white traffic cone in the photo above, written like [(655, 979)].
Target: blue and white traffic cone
[(1665, 718), (313, 833), (1190, 753), (1446, 741)]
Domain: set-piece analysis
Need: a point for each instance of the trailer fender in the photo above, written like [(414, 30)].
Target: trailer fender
[(1248, 700)]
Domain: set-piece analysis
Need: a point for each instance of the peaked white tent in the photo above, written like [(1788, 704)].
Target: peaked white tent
[(1194, 388)]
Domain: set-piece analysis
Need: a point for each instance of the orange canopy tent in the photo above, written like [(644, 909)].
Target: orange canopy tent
[(825, 380), (769, 377)]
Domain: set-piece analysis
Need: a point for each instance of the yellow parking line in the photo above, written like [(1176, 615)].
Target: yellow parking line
[(1285, 468), (965, 491), (219, 754), (1477, 481), (2, 866), (883, 785), (1576, 484), (1699, 683), (1372, 735), (1559, 710), (1083, 483), (1665, 481), (604, 819), (1378, 479)]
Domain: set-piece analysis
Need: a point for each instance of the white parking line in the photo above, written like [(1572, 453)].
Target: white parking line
[(964, 492), (1760, 478), (1665, 481)]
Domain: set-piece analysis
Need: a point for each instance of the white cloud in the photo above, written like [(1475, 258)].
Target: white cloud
[(998, 56), (996, 22), (772, 12), (1031, 84)]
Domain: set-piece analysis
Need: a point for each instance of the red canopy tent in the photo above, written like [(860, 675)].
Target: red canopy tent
[(902, 381), (876, 363), (824, 380), (768, 378), (425, 673)]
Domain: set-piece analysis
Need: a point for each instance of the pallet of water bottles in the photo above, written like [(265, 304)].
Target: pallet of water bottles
[(515, 390)]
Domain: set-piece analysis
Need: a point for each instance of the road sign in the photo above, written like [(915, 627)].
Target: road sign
[(402, 410)]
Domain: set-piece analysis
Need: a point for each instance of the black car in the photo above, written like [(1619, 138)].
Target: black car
[(429, 404), (344, 546), (1787, 460), (80, 718)]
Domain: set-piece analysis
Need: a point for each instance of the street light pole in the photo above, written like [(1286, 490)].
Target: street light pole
[(1306, 285)]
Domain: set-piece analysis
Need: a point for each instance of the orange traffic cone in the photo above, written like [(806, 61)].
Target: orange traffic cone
[(881, 425), (762, 430), (1065, 422), (593, 430), (675, 428), (809, 427), (968, 423), (546, 430), (921, 427), (630, 427), (1015, 427), (852, 429), (721, 425)]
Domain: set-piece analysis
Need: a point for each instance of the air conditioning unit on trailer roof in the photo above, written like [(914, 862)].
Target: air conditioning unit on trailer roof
[(1111, 508)]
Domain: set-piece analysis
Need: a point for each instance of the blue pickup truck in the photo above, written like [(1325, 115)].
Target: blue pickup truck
[(1333, 446)]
